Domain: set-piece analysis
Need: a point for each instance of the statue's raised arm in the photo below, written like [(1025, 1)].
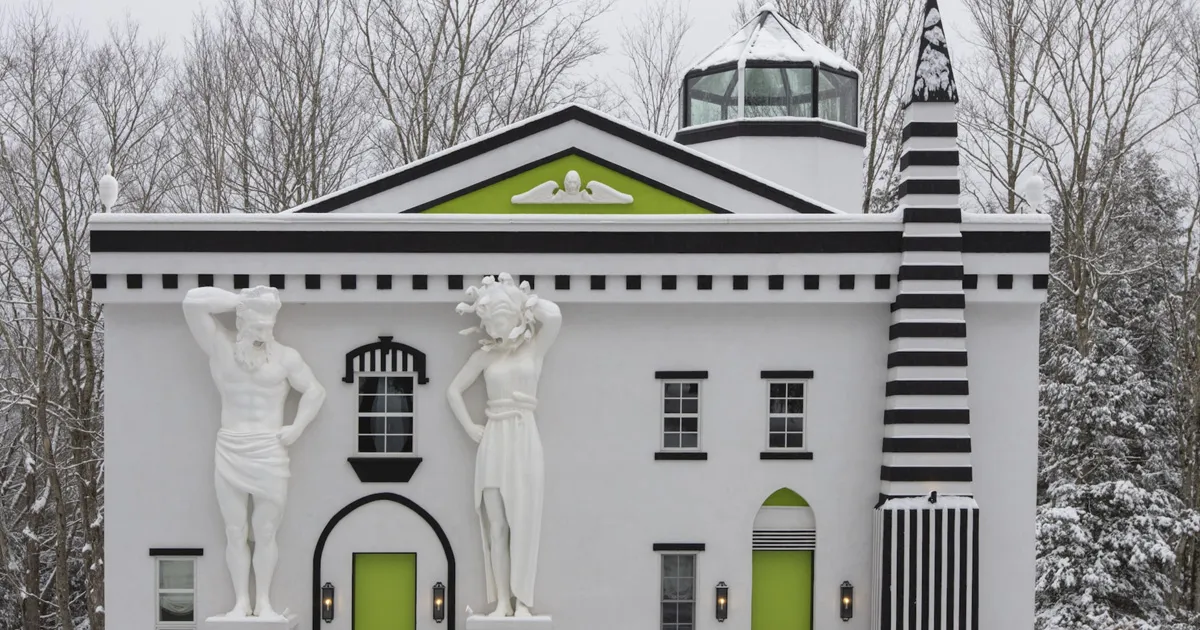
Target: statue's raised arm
[(199, 307)]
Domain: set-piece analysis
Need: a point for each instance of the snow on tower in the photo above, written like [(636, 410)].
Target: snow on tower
[(926, 523), (776, 102)]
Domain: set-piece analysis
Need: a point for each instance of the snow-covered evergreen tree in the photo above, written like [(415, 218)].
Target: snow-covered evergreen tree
[(1110, 519)]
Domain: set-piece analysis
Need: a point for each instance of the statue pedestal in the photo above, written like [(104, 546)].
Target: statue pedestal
[(483, 622), (288, 621)]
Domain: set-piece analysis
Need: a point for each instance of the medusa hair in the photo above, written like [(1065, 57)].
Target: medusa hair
[(501, 296)]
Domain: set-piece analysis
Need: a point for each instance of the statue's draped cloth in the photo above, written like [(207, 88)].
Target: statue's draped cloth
[(254, 463), (510, 459)]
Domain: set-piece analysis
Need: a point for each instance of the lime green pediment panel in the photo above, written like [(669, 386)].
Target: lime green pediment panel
[(496, 197)]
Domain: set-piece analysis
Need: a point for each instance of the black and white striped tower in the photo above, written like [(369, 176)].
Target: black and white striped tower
[(926, 519)]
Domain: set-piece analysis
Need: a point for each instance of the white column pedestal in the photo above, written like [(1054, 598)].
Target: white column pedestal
[(483, 622), (288, 621)]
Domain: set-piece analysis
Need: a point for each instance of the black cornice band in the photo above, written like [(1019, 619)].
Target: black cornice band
[(813, 128), (532, 242), (925, 473), (927, 416), (932, 243), (1006, 242)]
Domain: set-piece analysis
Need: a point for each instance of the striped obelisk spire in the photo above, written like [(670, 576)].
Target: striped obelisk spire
[(926, 521)]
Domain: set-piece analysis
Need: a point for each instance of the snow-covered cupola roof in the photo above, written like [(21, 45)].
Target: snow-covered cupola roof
[(769, 36), (769, 69)]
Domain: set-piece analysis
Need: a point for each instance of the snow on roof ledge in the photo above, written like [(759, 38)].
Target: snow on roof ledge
[(601, 222), (922, 503), (769, 36)]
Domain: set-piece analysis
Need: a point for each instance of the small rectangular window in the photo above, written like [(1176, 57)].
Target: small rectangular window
[(385, 414), (785, 414), (175, 592), (678, 591), (681, 415)]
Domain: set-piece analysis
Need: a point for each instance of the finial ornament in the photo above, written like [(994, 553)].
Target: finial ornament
[(768, 6), (109, 189), (1033, 191)]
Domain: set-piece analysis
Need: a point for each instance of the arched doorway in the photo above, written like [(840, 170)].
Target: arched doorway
[(417, 515), (785, 537)]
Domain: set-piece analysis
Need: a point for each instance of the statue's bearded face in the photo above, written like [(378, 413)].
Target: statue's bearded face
[(255, 331)]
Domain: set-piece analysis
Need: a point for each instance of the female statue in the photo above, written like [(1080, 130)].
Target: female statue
[(519, 328)]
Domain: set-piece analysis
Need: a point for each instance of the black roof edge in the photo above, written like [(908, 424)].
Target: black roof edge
[(665, 148)]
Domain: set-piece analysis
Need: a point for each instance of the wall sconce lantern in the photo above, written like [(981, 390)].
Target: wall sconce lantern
[(847, 601), (327, 602), (439, 602), (722, 601)]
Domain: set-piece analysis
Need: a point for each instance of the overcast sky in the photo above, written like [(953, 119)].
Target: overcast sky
[(172, 19)]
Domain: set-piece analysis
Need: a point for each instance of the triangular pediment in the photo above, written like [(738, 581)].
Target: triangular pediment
[(484, 175), (538, 188)]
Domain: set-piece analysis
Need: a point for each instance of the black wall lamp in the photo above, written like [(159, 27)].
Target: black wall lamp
[(847, 601), (439, 602), (722, 601), (327, 602)]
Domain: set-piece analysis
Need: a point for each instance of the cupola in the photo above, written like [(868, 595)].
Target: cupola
[(774, 101)]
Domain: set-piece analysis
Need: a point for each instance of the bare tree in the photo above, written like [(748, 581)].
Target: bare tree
[(445, 71), (272, 109), (878, 37), (653, 45), (1000, 103)]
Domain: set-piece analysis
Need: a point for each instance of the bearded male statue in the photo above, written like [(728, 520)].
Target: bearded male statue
[(253, 373)]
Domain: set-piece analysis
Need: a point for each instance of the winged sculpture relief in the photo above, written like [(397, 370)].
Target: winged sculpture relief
[(572, 191)]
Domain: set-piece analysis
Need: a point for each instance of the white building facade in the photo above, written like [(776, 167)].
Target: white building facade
[(759, 414)]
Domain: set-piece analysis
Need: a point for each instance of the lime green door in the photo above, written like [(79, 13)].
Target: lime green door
[(385, 591), (782, 590)]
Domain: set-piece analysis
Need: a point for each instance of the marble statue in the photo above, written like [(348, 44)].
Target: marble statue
[(519, 329), (572, 191), (253, 373)]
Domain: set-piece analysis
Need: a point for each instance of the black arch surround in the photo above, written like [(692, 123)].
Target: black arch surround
[(379, 355), (451, 589)]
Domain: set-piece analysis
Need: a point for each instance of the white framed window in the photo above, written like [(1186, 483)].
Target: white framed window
[(680, 414), (678, 588), (386, 413), (175, 593), (786, 405)]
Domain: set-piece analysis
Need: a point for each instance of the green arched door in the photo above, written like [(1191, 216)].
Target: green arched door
[(784, 544)]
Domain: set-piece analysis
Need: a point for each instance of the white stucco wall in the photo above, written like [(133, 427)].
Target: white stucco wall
[(607, 500), (825, 170), (1002, 346)]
